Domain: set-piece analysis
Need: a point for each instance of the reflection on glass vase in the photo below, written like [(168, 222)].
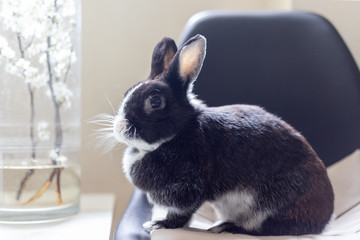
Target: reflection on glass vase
[(39, 109)]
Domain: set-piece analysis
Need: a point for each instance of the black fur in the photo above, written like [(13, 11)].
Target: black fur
[(163, 53), (213, 151)]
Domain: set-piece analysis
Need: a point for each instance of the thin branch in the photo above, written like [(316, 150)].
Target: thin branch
[(43, 188), (58, 190), (58, 126), (32, 122), (22, 53), (30, 172), (30, 43)]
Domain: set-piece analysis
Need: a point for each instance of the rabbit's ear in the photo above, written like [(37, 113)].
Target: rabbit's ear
[(188, 61), (162, 56)]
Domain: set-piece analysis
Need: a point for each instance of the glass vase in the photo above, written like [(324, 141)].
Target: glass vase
[(40, 117)]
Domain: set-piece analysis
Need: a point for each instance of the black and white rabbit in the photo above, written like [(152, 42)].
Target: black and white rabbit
[(259, 173)]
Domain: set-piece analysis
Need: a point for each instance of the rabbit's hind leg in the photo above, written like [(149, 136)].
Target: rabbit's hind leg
[(228, 227)]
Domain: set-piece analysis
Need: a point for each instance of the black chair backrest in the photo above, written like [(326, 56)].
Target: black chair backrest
[(294, 64)]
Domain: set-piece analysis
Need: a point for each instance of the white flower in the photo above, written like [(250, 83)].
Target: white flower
[(22, 63), (61, 158), (3, 42), (54, 156), (69, 8), (62, 94), (60, 69), (5, 50), (25, 17), (38, 81), (43, 131), (11, 68), (42, 58), (36, 48), (8, 53), (30, 73), (63, 54)]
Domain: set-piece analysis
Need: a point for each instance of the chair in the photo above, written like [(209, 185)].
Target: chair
[(294, 64)]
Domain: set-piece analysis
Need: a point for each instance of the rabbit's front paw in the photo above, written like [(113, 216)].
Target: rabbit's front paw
[(153, 225)]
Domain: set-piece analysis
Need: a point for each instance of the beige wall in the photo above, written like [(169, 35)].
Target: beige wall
[(117, 41)]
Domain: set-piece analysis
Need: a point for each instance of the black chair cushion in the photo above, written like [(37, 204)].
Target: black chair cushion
[(294, 64)]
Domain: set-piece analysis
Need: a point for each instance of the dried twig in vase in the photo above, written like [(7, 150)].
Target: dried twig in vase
[(30, 172), (46, 185)]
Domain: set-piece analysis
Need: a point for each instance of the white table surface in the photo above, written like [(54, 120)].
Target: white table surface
[(92, 222)]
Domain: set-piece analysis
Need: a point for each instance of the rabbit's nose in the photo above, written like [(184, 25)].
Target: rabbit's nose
[(119, 128)]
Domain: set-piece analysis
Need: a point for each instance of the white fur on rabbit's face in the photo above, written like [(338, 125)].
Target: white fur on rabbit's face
[(122, 127)]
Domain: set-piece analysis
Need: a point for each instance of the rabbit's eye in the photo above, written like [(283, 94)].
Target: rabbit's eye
[(155, 101)]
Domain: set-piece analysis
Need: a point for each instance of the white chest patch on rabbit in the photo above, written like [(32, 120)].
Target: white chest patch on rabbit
[(131, 155), (135, 153)]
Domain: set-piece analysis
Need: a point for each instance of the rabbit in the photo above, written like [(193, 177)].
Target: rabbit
[(261, 175)]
